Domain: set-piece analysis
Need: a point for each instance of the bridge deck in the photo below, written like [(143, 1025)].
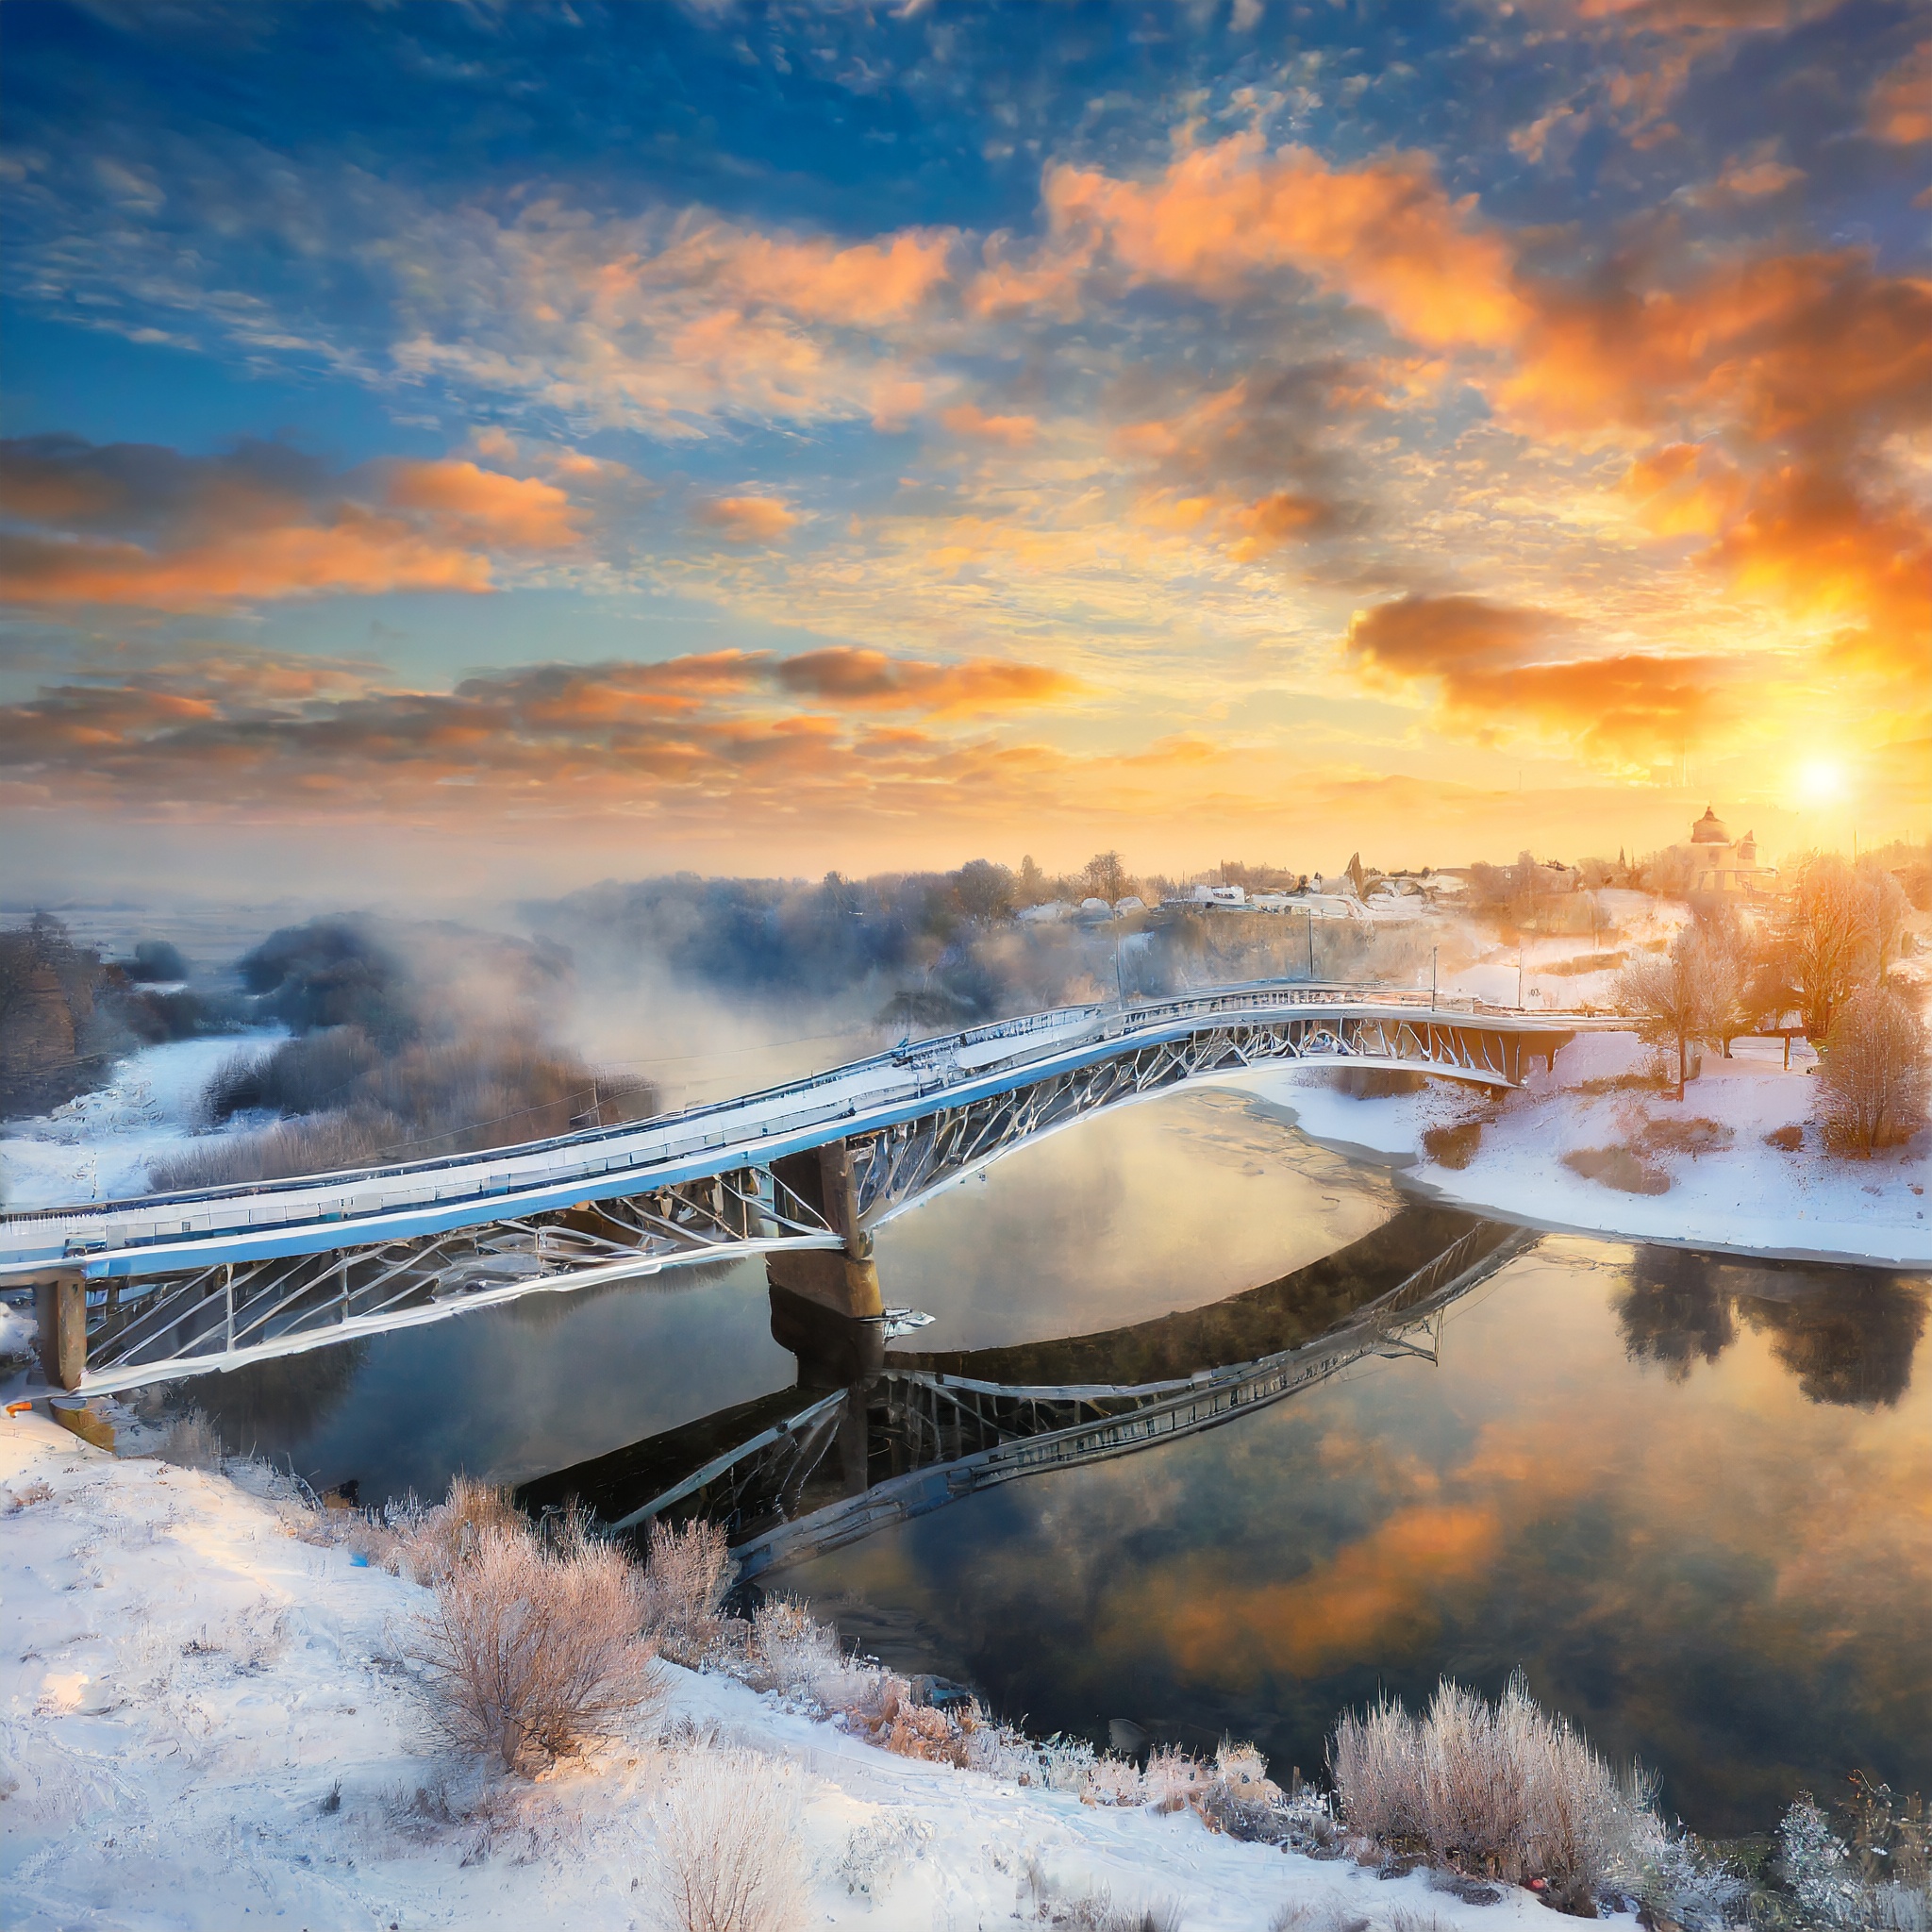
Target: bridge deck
[(364, 1207)]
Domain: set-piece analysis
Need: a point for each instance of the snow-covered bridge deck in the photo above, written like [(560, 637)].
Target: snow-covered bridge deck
[(180, 1283)]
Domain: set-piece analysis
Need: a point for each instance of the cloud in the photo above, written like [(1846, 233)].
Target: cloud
[(1500, 669), (137, 524), (484, 506), (1016, 432), (870, 680), (1821, 347), (1900, 109), (746, 519), (587, 739), (1384, 234)]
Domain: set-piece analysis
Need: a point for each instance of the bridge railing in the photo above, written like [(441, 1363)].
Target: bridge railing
[(910, 1070)]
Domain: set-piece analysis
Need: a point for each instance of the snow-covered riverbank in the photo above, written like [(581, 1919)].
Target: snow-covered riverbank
[(207, 1724), (1744, 1196), (97, 1147)]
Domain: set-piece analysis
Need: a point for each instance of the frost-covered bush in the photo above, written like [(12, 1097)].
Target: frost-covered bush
[(530, 1654), (1502, 1789), (729, 1856), (874, 1854), (687, 1572), (793, 1653), (1672, 1874), (1880, 1882)]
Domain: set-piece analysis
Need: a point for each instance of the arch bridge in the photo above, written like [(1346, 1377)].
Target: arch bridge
[(178, 1284)]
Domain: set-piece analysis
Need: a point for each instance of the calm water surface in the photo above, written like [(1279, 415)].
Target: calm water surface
[(1693, 1499)]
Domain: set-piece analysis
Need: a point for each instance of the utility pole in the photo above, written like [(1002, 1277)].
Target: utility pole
[(1311, 942), (1433, 951), (1519, 973)]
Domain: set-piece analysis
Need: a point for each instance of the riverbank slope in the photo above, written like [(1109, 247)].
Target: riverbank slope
[(209, 1722)]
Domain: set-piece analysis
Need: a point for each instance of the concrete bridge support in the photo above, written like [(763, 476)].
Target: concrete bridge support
[(60, 1308), (843, 1281)]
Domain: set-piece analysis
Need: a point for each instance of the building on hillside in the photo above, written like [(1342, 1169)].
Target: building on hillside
[(1719, 865)]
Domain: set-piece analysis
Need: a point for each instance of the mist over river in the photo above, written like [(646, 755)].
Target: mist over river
[(1692, 1498)]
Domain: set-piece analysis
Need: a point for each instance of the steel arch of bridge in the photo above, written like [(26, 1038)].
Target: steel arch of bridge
[(900, 1165), (178, 1285)]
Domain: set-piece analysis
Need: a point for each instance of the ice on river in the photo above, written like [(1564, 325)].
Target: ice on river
[(97, 1146)]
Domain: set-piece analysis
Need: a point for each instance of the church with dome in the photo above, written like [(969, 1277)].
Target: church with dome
[(1721, 866)]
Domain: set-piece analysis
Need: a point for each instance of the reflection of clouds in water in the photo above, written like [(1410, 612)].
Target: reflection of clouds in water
[(1724, 1574), (1169, 1204)]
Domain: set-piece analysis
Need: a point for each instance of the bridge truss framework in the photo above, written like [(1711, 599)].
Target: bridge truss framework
[(191, 1304)]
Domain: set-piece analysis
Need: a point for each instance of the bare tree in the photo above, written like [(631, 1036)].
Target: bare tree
[(1885, 908), (1875, 1073), (985, 890), (1727, 956), (1106, 876), (1825, 944), (1669, 996)]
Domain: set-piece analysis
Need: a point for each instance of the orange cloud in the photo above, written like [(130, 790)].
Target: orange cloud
[(486, 508), (1497, 669), (1901, 105), (135, 525), (1776, 347), (356, 552), (747, 519), (872, 680), (1016, 432), (1384, 234)]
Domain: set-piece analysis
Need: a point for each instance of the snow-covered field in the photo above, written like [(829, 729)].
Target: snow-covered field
[(98, 1145), (206, 1725), (1747, 1196)]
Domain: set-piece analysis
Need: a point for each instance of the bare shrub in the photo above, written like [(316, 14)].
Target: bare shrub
[(1619, 1168), (1090, 1908), (1503, 1788), (1175, 1778), (434, 1541), (728, 1856), (1786, 1140), (191, 1441), (1693, 1137), (687, 1572), (1453, 1146), (532, 1653), (1876, 1074)]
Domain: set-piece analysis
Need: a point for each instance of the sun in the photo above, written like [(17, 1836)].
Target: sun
[(1821, 779)]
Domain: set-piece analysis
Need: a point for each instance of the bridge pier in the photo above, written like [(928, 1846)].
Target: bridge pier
[(844, 1281), (60, 1308)]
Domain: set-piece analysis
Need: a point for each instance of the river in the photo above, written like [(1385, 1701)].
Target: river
[(1691, 1498)]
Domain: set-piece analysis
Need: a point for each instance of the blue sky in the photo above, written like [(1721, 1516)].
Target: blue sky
[(765, 437)]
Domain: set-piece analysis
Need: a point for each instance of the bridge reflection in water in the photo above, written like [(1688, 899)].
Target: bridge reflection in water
[(867, 1439)]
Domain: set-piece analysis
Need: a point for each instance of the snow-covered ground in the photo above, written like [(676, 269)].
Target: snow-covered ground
[(1747, 1196), (206, 1725), (97, 1147)]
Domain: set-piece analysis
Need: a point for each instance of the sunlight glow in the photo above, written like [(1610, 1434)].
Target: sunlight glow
[(1820, 780)]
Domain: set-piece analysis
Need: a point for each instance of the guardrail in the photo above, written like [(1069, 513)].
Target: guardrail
[(908, 1071)]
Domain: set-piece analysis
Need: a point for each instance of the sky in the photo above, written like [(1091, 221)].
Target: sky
[(466, 447)]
